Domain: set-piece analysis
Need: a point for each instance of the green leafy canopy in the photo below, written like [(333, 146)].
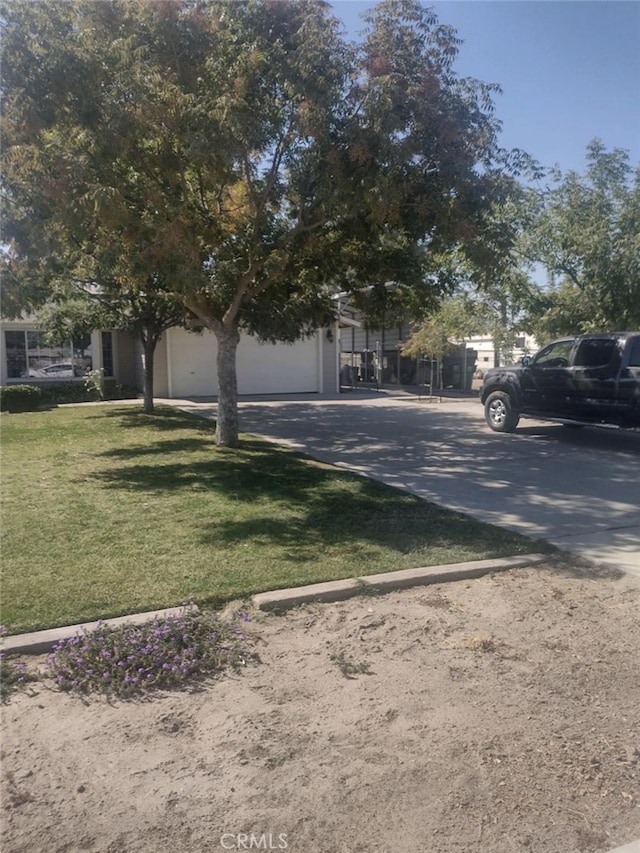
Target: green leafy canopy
[(242, 158)]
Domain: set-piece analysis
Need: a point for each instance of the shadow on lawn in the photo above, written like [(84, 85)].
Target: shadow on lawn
[(307, 505), (367, 522), (281, 497), (254, 470), (161, 448), (163, 419)]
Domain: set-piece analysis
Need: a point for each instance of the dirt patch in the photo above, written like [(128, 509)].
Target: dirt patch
[(496, 715)]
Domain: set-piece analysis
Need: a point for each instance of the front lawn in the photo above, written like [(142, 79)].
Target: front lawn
[(107, 511)]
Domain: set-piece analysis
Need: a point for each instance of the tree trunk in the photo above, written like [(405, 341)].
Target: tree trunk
[(149, 352), (227, 422)]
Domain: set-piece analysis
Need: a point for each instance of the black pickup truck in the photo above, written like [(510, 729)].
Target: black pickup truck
[(591, 380)]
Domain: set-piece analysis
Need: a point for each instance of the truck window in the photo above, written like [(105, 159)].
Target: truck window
[(634, 355), (595, 352), (555, 355)]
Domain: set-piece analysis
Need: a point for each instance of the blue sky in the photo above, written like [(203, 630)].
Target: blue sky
[(569, 70)]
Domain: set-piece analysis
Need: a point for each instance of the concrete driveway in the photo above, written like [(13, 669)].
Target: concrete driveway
[(579, 489)]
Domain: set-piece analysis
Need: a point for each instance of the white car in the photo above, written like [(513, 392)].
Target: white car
[(59, 370)]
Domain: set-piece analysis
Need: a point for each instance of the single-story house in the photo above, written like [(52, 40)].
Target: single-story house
[(343, 356), (184, 366)]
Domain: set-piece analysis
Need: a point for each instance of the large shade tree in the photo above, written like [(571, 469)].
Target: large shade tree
[(245, 155)]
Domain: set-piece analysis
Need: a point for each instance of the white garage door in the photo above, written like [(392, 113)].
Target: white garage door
[(262, 368)]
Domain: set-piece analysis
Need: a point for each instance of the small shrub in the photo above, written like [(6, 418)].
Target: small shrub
[(165, 653), (94, 384), (13, 676), (20, 398)]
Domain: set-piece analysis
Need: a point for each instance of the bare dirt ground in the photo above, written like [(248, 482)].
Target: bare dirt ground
[(499, 715)]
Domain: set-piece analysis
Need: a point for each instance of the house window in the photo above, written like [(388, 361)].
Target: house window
[(107, 353), (520, 342), (30, 354), (16, 345)]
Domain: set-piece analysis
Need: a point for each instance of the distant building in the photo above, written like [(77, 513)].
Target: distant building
[(487, 356)]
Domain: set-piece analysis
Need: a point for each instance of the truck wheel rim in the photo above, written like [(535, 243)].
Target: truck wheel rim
[(498, 412)]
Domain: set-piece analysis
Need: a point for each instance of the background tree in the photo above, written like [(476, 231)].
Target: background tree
[(502, 295), (502, 309), (243, 156), (145, 313), (441, 332), (562, 310), (587, 237)]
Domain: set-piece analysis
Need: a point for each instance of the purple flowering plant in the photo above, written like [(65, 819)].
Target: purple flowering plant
[(13, 673), (166, 653)]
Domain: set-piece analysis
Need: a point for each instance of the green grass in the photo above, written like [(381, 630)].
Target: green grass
[(107, 511)]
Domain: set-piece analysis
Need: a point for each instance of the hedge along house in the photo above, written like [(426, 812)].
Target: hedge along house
[(184, 364)]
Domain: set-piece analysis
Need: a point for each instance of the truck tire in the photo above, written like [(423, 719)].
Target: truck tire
[(500, 412)]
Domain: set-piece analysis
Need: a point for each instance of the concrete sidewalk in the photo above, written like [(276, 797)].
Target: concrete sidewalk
[(631, 847)]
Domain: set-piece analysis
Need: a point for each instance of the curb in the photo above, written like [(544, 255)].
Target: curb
[(631, 847), (39, 642), (340, 590)]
